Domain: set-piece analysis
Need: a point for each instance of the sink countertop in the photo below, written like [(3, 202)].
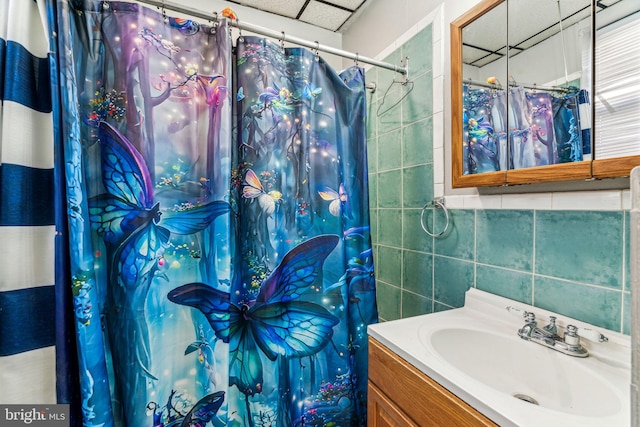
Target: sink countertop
[(608, 362)]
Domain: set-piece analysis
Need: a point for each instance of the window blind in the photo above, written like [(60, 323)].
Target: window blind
[(617, 97)]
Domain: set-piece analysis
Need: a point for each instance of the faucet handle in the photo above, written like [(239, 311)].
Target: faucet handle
[(527, 315), (551, 327), (571, 335), (515, 311), (591, 334)]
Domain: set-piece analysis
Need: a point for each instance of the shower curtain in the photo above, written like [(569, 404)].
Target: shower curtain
[(222, 274), (34, 363), (301, 177), (146, 127)]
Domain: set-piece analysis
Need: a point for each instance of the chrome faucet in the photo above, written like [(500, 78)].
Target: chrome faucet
[(548, 336)]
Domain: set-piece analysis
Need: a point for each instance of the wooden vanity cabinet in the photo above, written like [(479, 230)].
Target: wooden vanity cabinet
[(400, 395)]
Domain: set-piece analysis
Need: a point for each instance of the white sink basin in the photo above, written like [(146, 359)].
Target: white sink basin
[(475, 352), (527, 371)]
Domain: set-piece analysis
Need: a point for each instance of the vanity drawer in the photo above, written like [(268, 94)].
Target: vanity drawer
[(397, 387)]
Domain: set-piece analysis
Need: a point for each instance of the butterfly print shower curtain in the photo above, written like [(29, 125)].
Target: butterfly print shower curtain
[(220, 249)]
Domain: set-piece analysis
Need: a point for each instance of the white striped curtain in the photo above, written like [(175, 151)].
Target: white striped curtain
[(27, 231)]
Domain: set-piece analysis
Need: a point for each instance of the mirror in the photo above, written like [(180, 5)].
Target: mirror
[(484, 101), (549, 79), (522, 91), (617, 87), (476, 151)]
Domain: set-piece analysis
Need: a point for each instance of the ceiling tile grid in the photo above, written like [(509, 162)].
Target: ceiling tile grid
[(288, 8), (324, 15), (327, 14)]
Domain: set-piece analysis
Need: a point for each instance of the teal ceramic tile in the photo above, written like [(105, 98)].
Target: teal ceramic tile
[(389, 265), (438, 307), (627, 252), (372, 119), (414, 238), (372, 155), (375, 258), (390, 227), (388, 299), (389, 110), (415, 305), (373, 221), (417, 268), (390, 150), (510, 284), (419, 50), (626, 313), (418, 104), (505, 238), (452, 278), (418, 143), (458, 240), (598, 306), (582, 246), (390, 189), (373, 190), (417, 185), (387, 77)]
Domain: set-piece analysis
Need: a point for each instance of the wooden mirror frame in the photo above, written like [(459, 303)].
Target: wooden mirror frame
[(575, 171), (458, 179)]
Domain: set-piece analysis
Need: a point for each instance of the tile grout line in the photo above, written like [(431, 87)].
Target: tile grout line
[(533, 266), (475, 248), (624, 272)]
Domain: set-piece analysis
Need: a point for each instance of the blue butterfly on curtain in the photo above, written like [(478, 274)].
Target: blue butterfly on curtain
[(127, 217), (276, 321), (199, 416), (135, 233)]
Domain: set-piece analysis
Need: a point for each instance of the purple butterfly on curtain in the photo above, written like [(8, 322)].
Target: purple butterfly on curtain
[(276, 322)]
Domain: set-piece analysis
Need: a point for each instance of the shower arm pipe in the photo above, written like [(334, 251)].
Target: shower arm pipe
[(278, 35)]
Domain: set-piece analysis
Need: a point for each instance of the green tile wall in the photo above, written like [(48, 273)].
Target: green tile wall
[(575, 263), (400, 147)]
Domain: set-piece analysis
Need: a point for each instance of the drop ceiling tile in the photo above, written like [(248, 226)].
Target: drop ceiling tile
[(349, 4), (486, 60), (325, 16), (288, 8), (470, 55)]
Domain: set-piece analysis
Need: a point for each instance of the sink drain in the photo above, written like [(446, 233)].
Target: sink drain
[(526, 398)]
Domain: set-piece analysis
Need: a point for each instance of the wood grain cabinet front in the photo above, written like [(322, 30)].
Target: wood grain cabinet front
[(400, 395)]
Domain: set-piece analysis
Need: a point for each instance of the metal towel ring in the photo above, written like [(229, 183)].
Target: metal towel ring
[(437, 203)]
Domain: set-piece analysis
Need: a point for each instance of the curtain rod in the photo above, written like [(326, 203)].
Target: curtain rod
[(515, 84), (279, 35)]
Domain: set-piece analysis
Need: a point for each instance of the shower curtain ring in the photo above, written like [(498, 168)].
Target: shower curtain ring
[(282, 42), (356, 59), (214, 24), (105, 5), (240, 36), (164, 13), (317, 51)]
